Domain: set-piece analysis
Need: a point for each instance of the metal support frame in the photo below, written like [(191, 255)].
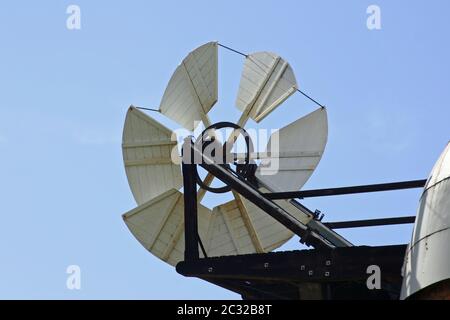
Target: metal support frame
[(288, 275), (264, 201)]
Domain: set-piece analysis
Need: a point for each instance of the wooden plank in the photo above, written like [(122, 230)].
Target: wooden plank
[(289, 167), (194, 91), (281, 155), (206, 120), (192, 87), (149, 144), (231, 230), (201, 84), (148, 161), (164, 221), (173, 242), (201, 193), (241, 123), (279, 101), (270, 86), (248, 223)]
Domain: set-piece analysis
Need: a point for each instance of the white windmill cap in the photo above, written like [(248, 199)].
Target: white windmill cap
[(427, 259)]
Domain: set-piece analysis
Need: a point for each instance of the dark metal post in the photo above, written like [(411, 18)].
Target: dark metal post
[(191, 252)]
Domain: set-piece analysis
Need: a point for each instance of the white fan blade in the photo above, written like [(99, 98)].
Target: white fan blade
[(147, 148), (427, 260), (295, 152), (270, 233), (224, 238), (192, 90), (267, 80), (159, 225)]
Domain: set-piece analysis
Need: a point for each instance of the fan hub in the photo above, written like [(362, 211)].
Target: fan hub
[(222, 153)]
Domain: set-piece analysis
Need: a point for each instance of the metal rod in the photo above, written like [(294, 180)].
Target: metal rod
[(346, 190), (148, 109), (307, 96), (370, 222), (233, 50), (200, 242)]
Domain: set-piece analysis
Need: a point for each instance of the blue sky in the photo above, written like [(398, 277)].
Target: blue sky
[(64, 95)]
